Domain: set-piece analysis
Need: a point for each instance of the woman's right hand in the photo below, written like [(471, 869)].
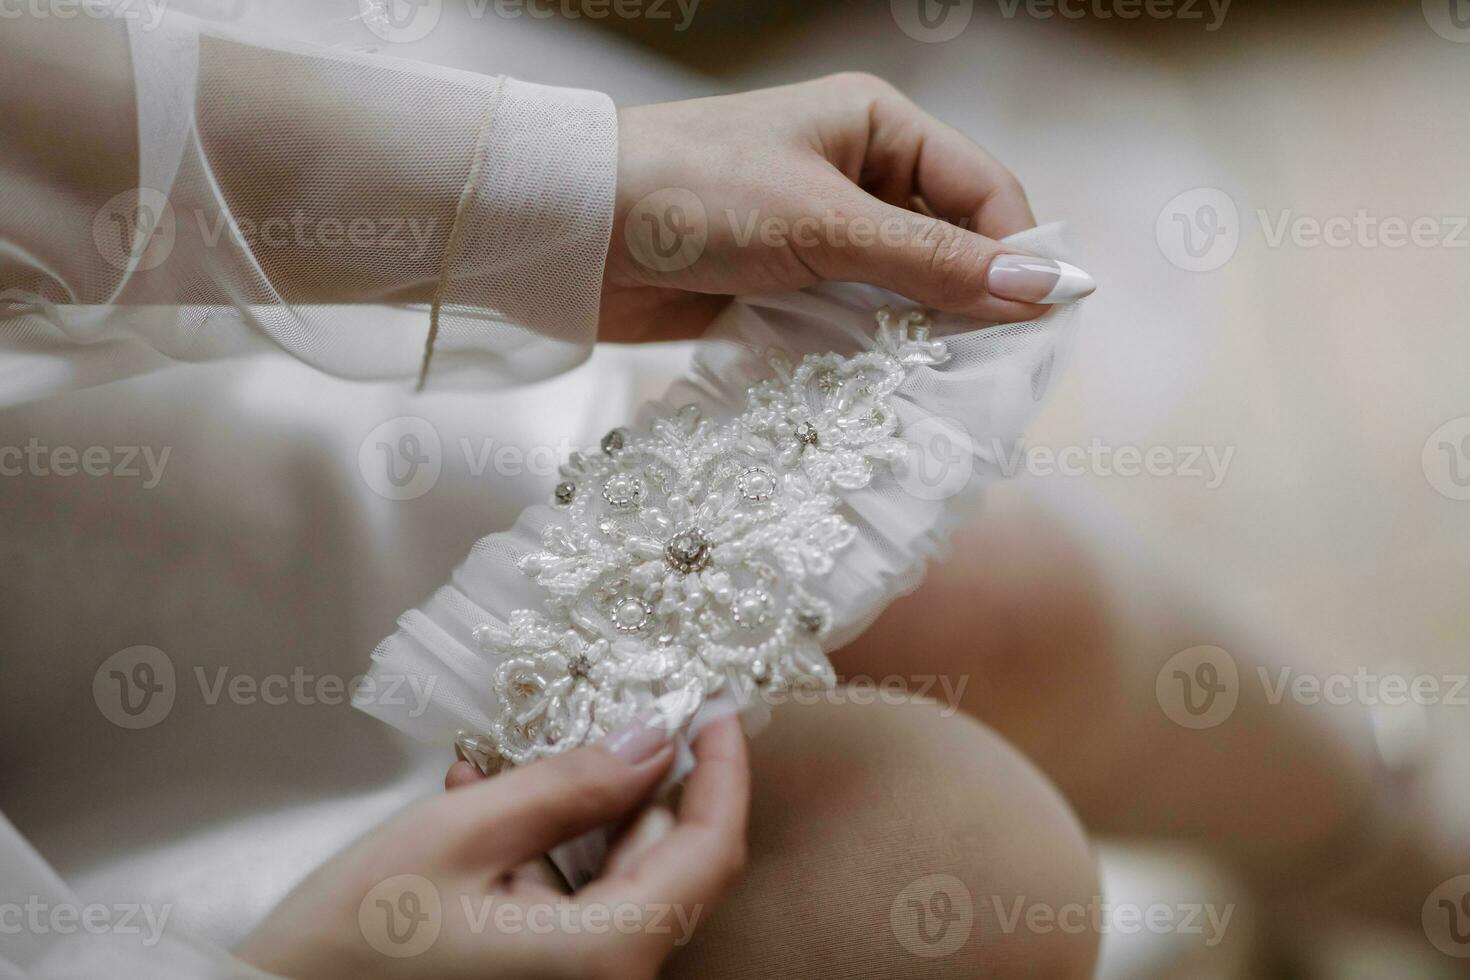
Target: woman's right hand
[(436, 892)]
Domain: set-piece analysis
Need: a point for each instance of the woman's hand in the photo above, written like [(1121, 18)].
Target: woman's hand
[(835, 179), (440, 891)]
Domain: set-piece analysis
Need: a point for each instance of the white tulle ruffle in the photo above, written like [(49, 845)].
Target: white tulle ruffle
[(764, 511)]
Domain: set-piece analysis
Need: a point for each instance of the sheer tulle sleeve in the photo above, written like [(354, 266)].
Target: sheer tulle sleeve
[(239, 194)]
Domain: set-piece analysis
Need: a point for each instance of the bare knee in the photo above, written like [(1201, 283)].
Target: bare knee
[(889, 840)]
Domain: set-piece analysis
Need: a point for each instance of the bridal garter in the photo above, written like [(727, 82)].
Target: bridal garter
[(705, 556)]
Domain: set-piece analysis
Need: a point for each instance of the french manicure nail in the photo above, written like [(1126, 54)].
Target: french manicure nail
[(637, 741), (1033, 279)]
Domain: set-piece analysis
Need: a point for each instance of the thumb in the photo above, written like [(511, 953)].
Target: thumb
[(941, 265), (501, 822)]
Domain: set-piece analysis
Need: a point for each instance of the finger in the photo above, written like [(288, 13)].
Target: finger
[(506, 820), (938, 264), (705, 852), (911, 153), (462, 774), (649, 829)]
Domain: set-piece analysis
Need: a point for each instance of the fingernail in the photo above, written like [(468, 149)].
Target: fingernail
[(1032, 279), (637, 741)]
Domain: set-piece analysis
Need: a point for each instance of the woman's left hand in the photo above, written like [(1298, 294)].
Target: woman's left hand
[(438, 892)]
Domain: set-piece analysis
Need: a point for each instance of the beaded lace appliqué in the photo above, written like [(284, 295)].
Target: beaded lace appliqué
[(684, 557)]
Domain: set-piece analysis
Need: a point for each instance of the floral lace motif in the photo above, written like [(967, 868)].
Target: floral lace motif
[(683, 563)]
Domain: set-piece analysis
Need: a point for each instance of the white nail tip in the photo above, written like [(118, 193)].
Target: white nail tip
[(1072, 284)]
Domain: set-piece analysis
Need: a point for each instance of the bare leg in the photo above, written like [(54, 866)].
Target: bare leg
[(855, 806), (1061, 646)]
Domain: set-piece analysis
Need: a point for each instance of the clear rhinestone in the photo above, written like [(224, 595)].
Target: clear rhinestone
[(806, 434), (614, 440), (827, 382), (579, 665), (688, 550), (623, 491), (564, 492), (757, 483), (760, 671), (809, 620), (631, 614), (751, 608)]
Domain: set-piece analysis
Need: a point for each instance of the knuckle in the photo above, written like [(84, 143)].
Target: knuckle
[(589, 782), (953, 263)]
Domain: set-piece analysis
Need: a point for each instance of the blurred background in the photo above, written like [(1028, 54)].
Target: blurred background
[(1272, 197)]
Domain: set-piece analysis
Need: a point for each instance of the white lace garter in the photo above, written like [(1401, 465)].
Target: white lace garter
[(707, 554)]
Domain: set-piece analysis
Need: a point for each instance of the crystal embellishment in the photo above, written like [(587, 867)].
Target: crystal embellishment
[(699, 565), (687, 551)]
